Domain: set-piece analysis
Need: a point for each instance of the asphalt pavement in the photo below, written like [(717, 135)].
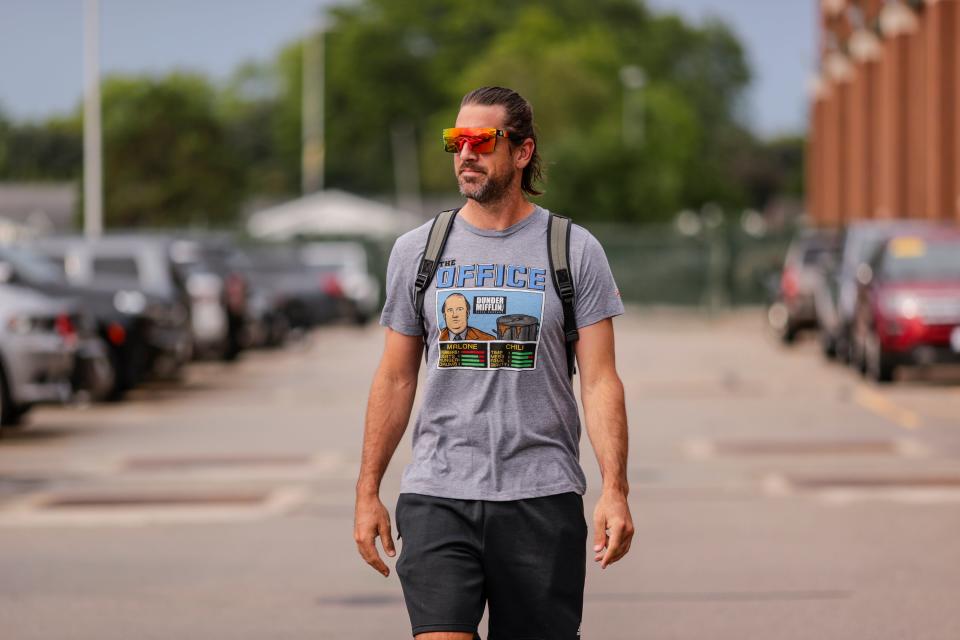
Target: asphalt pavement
[(775, 496)]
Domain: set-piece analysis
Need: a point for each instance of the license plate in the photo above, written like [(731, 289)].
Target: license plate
[(955, 339)]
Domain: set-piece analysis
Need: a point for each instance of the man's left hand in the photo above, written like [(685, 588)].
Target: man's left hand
[(614, 528)]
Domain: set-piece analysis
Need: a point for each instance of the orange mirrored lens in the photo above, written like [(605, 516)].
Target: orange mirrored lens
[(481, 140)]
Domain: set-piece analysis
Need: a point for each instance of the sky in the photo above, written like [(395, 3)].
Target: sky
[(41, 46)]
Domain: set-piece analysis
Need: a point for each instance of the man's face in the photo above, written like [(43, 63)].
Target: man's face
[(484, 177), (455, 313)]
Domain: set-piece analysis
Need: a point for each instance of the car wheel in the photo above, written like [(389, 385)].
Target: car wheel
[(10, 412), (121, 382), (230, 351), (842, 349), (828, 345), (360, 318), (878, 366), (4, 399), (858, 350)]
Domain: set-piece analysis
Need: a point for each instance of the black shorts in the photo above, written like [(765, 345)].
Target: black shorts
[(527, 559)]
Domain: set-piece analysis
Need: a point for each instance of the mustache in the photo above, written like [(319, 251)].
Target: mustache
[(471, 167)]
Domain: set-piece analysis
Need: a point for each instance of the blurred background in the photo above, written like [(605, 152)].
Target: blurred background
[(678, 116), (196, 205)]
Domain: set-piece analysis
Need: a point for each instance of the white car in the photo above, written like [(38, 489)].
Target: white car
[(347, 263), (37, 351)]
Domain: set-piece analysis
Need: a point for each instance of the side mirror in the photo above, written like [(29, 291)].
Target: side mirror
[(864, 274), (6, 273)]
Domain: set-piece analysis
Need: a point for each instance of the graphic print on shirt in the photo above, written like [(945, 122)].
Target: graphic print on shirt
[(489, 327)]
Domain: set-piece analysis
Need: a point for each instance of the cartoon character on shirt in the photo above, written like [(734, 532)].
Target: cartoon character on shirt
[(456, 314)]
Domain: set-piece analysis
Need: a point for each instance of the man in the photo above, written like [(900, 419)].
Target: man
[(456, 314), (490, 508)]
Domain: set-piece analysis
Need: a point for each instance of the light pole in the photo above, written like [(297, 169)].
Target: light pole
[(312, 98), (406, 166), (633, 80), (92, 137)]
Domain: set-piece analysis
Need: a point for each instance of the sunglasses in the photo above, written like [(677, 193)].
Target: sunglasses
[(482, 140)]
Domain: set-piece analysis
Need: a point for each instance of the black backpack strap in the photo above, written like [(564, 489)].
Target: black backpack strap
[(558, 248), (436, 240)]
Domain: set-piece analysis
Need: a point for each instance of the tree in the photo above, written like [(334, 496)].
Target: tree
[(178, 150), (166, 160), (411, 62), (37, 151), (260, 111)]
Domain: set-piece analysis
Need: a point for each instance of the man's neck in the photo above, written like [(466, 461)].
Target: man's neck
[(499, 215)]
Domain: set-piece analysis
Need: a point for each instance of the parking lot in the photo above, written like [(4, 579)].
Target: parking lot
[(775, 496)]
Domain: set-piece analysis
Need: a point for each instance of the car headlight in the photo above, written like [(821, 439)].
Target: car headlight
[(129, 302), (903, 305)]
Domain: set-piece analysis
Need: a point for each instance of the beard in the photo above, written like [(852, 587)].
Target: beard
[(485, 188)]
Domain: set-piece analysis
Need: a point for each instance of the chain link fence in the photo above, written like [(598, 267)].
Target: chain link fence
[(716, 267)]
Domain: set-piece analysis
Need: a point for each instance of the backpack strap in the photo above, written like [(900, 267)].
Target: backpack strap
[(436, 240), (558, 248)]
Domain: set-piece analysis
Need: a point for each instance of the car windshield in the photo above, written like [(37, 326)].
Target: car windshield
[(864, 241), (914, 259), (121, 268), (33, 268)]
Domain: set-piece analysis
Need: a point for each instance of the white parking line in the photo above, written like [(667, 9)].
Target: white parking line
[(776, 485), (31, 512), (701, 448), (913, 495)]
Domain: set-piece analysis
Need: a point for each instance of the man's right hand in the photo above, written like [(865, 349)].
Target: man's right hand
[(371, 519)]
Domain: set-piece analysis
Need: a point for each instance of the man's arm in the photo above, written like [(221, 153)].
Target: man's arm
[(388, 411), (606, 417)]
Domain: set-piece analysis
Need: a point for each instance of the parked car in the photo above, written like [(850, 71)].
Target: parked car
[(836, 294), (305, 296), (908, 304), (345, 266), (138, 269), (37, 351), (111, 343), (793, 308), (268, 324), (211, 267)]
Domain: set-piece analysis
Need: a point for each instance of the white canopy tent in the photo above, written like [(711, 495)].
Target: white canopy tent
[(331, 212)]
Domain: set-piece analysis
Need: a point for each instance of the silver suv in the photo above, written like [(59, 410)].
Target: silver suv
[(38, 343)]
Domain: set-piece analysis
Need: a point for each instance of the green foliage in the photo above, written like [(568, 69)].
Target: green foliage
[(51, 150), (166, 158), (260, 111), (178, 150), (394, 62)]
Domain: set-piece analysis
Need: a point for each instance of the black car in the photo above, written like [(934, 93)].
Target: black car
[(306, 295)]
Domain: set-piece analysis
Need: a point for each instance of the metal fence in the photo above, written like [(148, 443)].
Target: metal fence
[(717, 267)]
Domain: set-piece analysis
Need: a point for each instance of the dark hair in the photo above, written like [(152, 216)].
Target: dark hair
[(519, 125)]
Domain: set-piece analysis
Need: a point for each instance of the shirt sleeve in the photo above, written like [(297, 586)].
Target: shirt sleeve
[(398, 308), (597, 295)]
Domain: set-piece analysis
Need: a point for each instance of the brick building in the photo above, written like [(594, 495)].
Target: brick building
[(885, 112)]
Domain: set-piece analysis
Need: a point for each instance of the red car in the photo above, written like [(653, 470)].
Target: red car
[(908, 305)]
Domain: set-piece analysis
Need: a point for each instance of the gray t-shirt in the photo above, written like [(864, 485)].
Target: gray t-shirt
[(498, 420)]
